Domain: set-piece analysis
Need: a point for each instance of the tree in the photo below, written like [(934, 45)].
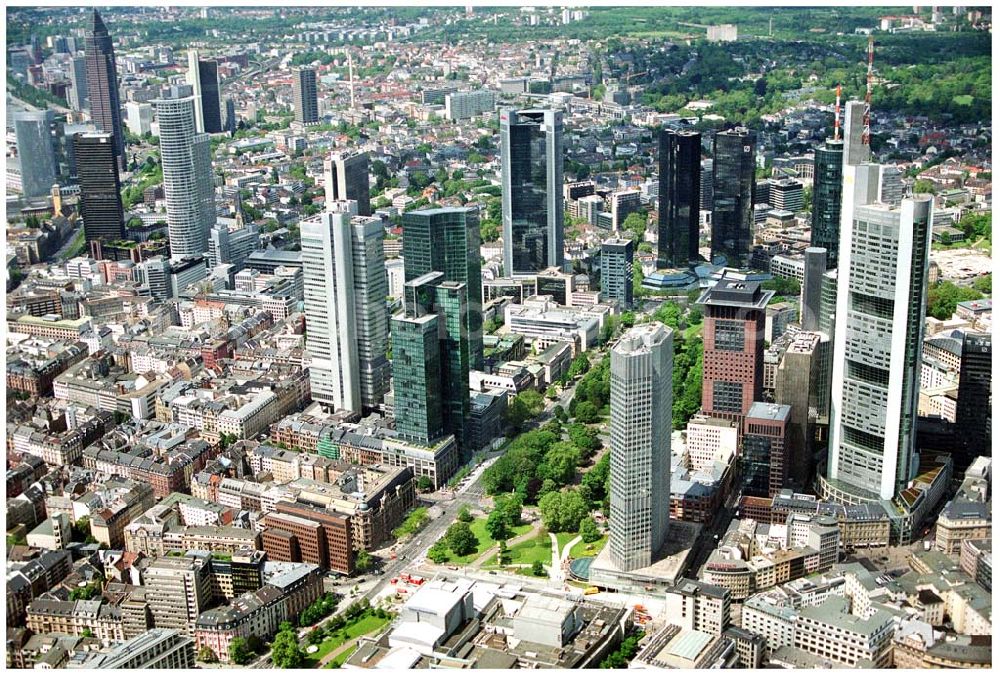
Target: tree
[(510, 507), (538, 569), (425, 484), (285, 650), (206, 655), (944, 296), (635, 224), (363, 561), (438, 553), (526, 405), (595, 481), (562, 511), (239, 651), (496, 525), (924, 186), (589, 531), (464, 514), (560, 462), (587, 413), (460, 539), (585, 438)]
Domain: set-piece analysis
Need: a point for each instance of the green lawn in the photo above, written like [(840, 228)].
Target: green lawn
[(478, 528), (527, 552), (339, 660), (582, 549), (564, 538), (364, 625)]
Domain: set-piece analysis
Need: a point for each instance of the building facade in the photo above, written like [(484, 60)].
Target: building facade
[(187, 178), (680, 196), (102, 84), (447, 240), (531, 149), (733, 171), (641, 402), (100, 189)]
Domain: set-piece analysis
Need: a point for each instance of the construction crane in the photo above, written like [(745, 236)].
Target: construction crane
[(866, 135)]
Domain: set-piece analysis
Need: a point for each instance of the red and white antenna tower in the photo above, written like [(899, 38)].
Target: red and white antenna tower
[(836, 117), (866, 136)]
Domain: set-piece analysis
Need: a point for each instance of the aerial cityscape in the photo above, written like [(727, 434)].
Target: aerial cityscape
[(476, 337)]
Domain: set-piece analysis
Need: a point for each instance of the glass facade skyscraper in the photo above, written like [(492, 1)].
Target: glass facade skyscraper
[(733, 169), (100, 187), (203, 76), (345, 177), (35, 151), (102, 83), (531, 148), (447, 240), (828, 180), (679, 198), (430, 365), (187, 178)]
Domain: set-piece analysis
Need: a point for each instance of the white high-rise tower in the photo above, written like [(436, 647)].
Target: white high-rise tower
[(345, 287), (187, 178), (641, 402), (881, 305)]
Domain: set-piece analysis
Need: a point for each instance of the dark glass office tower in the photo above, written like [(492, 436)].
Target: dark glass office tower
[(100, 187), (346, 178), (447, 240), (828, 179), (972, 414), (430, 365), (304, 95), (211, 108), (732, 188), (102, 84), (531, 149), (679, 199)]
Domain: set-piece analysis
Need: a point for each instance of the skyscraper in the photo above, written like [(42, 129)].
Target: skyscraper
[(733, 170), (812, 287), (430, 360), (100, 187), (881, 306), (733, 376), (344, 288), (187, 178), (447, 240), (78, 98), (766, 444), (531, 150), (617, 255), (679, 198), (304, 95), (203, 76), (35, 151), (828, 180), (641, 403), (102, 84), (972, 415), (345, 177)]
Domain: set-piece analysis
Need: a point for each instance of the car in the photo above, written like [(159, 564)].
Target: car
[(493, 571), (452, 567)]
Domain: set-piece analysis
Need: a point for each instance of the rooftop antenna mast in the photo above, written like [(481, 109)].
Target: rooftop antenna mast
[(836, 117), (350, 75), (866, 135)]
